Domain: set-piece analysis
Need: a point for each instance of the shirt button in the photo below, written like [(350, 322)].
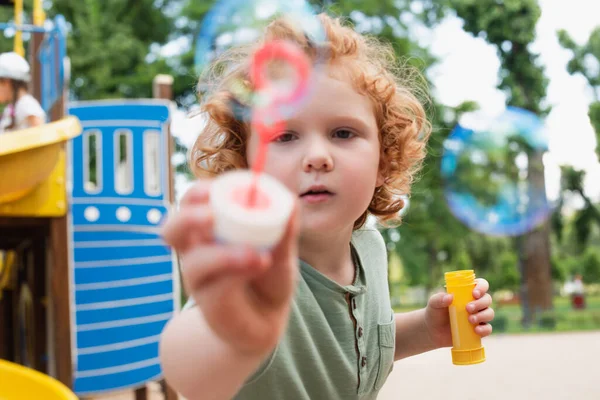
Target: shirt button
[(360, 331), (363, 363)]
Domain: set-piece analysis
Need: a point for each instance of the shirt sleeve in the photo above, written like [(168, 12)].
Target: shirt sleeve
[(5, 119), (27, 107)]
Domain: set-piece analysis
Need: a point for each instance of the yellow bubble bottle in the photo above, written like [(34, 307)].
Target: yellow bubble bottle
[(467, 348)]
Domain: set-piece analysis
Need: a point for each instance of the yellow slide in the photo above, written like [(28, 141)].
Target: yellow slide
[(21, 383), (32, 169)]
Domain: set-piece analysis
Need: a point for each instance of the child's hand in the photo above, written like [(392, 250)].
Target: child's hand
[(244, 295), (437, 318)]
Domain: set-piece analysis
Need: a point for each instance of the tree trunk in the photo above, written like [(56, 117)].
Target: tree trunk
[(535, 246), (523, 289), (538, 277)]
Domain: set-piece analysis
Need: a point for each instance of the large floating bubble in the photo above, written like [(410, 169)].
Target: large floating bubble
[(285, 80), (496, 173)]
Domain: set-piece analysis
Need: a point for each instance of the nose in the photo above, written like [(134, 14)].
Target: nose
[(317, 157)]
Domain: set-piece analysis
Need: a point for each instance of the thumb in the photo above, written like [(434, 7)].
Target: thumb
[(440, 301), (277, 282), (288, 245)]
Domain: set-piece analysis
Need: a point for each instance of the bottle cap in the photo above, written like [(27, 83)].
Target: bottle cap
[(463, 277), (468, 357)]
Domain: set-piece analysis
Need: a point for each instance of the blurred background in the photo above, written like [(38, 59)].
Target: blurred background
[(510, 186), (478, 57)]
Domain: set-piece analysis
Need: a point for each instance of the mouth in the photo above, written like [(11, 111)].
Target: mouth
[(316, 194)]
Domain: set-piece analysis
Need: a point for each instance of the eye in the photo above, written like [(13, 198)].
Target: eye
[(343, 133), (285, 137)]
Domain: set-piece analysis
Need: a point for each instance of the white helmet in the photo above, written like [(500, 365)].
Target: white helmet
[(13, 66)]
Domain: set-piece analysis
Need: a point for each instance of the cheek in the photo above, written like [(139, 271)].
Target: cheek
[(279, 164), (362, 169), (361, 182), (283, 167)]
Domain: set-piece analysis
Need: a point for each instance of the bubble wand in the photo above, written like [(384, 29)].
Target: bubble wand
[(266, 121), (251, 207)]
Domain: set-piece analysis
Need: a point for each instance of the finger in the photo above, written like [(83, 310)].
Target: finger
[(276, 284), (287, 246), (197, 194), (483, 330), (188, 227), (484, 316), (440, 300), (482, 286), (480, 304), (204, 263)]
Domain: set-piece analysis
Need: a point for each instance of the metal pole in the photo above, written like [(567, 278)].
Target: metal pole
[(19, 49), (39, 16), (23, 28), (162, 88)]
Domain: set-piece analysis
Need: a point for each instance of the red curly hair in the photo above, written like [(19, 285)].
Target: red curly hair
[(373, 71)]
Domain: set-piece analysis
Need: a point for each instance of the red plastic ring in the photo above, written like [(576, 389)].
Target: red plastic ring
[(286, 51), (267, 124)]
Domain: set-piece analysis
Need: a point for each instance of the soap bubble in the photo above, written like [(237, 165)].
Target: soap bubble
[(286, 81), (498, 175)]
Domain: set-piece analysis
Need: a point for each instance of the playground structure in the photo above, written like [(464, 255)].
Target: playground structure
[(30, 384), (86, 283)]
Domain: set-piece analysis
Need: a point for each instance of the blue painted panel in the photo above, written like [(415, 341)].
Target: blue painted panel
[(122, 293), (120, 313), (52, 53), (107, 359), (111, 274), (116, 381), (102, 337), (151, 111), (123, 273), (113, 253), (111, 235)]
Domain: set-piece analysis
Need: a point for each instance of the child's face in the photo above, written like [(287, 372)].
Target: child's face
[(5, 91), (331, 144)]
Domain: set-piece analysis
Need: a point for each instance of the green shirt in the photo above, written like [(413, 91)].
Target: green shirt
[(339, 342)]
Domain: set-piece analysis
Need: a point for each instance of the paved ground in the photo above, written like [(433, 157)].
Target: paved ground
[(518, 367), (522, 367)]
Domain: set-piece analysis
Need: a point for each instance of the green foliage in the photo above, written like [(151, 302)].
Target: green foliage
[(580, 63), (509, 274), (109, 45), (431, 235), (581, 58), (594, 114), (570, 256), (565, 266), (510, 26), (572, 179), (7, 15), (560, 273), (462, 261), (591, 265), (577, 64), (384, 17)]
